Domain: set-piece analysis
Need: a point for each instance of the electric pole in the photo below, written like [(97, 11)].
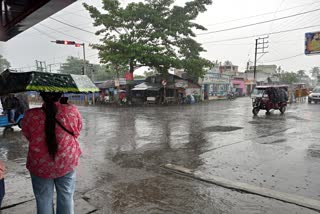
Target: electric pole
[(50, 65), (84, 59), (260, 45), (41, 65)]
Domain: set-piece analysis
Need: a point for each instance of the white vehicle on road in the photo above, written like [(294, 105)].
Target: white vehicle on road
[(315, 95)]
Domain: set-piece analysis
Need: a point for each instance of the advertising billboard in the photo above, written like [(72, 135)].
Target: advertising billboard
[(312, 43)]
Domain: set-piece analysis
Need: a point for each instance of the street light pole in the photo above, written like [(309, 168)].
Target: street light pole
[(84, 59), (255, 61)]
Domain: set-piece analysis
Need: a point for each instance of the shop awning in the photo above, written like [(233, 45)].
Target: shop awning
[(138, 89), (106, 84), (147, 86)]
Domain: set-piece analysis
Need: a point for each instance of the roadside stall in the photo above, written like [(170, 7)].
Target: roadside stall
[(106, 93), (145, 92)]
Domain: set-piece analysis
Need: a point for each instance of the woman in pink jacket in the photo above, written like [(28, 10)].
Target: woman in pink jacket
[(53, 154)]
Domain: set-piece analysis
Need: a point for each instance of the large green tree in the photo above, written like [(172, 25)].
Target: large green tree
[(152, 33), (4, 64), (227, 63), (96, 72), (107, 72), (73, 65), (315, 72), (289, 77), (301, 73)]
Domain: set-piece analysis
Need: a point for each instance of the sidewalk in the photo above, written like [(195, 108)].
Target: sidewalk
[(19, 195)]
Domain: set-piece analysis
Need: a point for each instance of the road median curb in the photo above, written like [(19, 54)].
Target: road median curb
[(281, 196)]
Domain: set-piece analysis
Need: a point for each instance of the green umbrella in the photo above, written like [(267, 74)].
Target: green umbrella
[(13, 82)]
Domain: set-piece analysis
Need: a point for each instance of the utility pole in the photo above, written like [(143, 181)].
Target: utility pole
[(45, 66), (248, 64), (41, 65), (84, 59), (50, 65), (37, 67), (260, 45)]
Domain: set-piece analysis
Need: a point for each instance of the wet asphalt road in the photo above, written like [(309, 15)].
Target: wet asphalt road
[(124, 148)]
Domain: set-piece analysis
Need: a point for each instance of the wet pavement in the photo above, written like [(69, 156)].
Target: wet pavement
[(124, 150)]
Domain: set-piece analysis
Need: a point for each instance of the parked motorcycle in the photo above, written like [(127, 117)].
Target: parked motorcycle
[(231, 96)]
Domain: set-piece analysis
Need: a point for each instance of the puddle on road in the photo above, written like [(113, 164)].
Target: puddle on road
[(276, 141), (314, 151), (221, 128)]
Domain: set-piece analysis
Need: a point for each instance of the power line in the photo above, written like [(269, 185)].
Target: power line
[(72, 13), (275, 13), (87, 24), (258, 23), (247, 37), (290, 57), (44, 33), (63, 33), (263, 14), (92, 55), (71, 25), (297, 21)]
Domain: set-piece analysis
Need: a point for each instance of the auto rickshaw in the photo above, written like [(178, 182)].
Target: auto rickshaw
[(268, 98)]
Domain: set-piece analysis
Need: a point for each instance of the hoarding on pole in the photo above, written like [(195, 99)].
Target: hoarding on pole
[(129, 77), (312, 43)]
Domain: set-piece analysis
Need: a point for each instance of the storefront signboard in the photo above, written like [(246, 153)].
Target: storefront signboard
[(122, 81), (216, 78)]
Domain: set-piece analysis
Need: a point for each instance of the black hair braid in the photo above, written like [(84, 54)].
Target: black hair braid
[(50, 123), (50, 127)]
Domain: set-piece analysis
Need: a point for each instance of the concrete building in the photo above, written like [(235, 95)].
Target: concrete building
[(215, 84), (268, 69), (265, 74), (230, 70)]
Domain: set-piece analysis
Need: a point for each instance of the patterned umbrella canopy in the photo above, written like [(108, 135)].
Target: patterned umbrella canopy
[(13, 82)]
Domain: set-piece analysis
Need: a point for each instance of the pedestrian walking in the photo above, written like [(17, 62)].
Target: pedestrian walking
[(10, 106), (53, 154)]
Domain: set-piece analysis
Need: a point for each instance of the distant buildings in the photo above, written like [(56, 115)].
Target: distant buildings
[(230, 70)]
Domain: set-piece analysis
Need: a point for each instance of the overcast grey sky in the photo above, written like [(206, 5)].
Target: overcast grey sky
[(285, 49)]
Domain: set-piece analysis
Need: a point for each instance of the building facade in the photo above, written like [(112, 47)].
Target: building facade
[(215, 84)]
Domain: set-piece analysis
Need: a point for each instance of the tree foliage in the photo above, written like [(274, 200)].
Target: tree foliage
[(152, 33), (4, 64), (289, 77), (315, 72), (301, 73), (150, 73), (74, 65), (227, 63)]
